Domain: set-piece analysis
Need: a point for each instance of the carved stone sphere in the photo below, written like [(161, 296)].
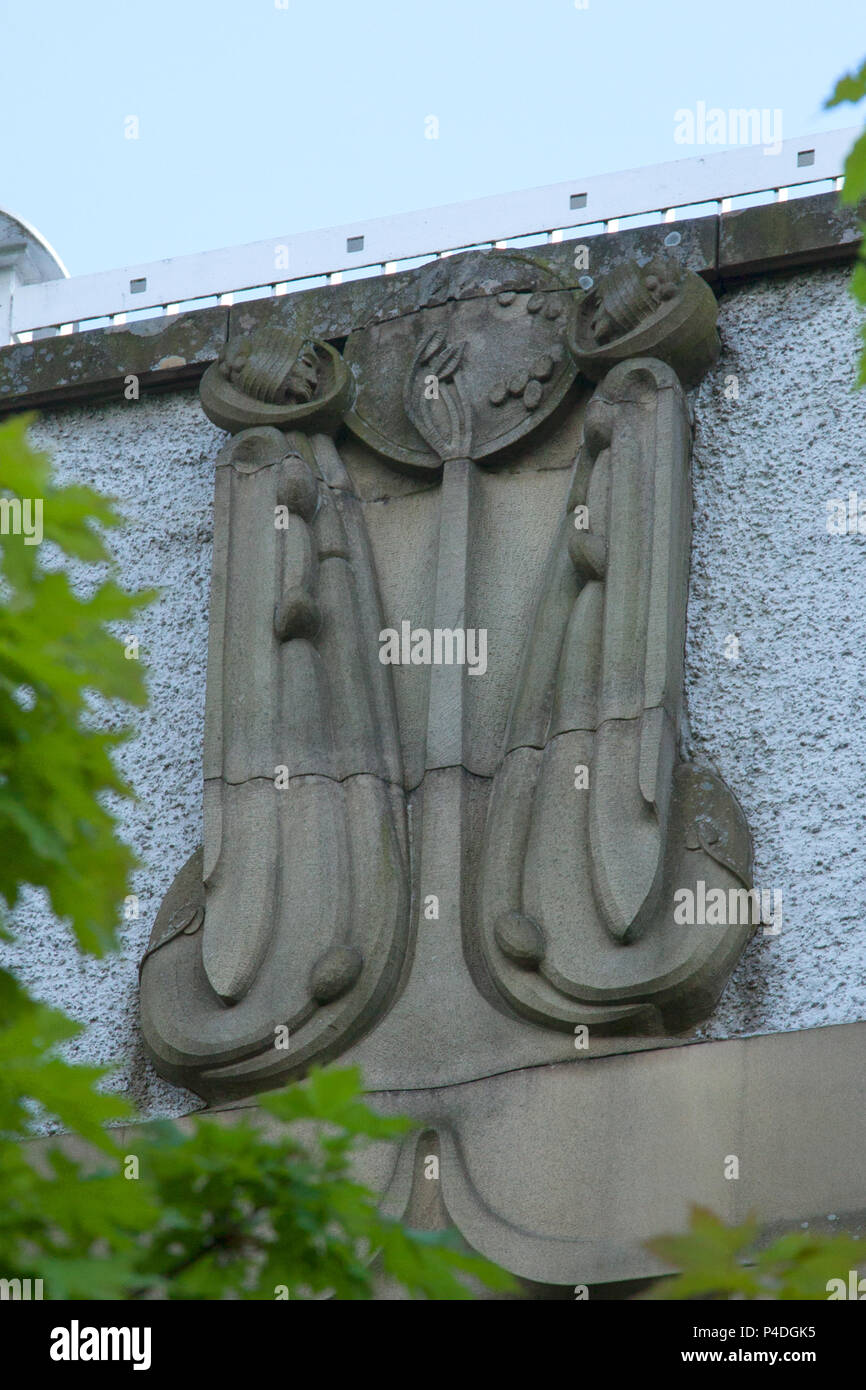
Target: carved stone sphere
[(334, 973)]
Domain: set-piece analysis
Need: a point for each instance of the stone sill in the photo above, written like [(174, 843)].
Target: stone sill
[(172, 352), (627, 1144)]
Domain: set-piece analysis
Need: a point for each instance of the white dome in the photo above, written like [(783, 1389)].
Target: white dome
[(34, 259)]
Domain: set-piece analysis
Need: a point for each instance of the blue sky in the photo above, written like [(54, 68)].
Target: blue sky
[(259, 118)]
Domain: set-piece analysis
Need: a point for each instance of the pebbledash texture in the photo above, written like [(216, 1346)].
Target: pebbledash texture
[(516, 895)]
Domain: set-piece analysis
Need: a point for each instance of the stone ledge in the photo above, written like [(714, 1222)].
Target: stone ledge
[(561, 1173), (167, 353), (781, 236), (162, 353)]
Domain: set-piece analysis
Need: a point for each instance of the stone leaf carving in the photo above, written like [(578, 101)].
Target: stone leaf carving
[(300, 893), (593, 822)]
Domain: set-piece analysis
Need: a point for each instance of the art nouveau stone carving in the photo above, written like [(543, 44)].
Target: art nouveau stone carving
[(294, 931), (594, 821), (293, 917)]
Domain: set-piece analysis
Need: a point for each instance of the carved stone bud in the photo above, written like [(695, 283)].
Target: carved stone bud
[(297, 488), (598, 426), (298, 615), (588, 554), (520, 939), (335, 973)]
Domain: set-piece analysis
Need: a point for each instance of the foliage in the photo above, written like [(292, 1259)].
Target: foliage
[(283, 1216), (722, 1262), (200, 1210), (852, 88), (226, 1210)]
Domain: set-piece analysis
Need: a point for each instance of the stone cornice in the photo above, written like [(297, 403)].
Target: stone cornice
[(167, 353)]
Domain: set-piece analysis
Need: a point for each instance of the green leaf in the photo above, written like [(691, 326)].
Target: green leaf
[(854, 187), (851, 87), (718, 1261)]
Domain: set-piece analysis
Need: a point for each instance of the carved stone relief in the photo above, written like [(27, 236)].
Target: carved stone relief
[(539, 798)]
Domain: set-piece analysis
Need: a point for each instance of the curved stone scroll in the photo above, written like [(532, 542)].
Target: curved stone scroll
[(594, 823), (282, 939)]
